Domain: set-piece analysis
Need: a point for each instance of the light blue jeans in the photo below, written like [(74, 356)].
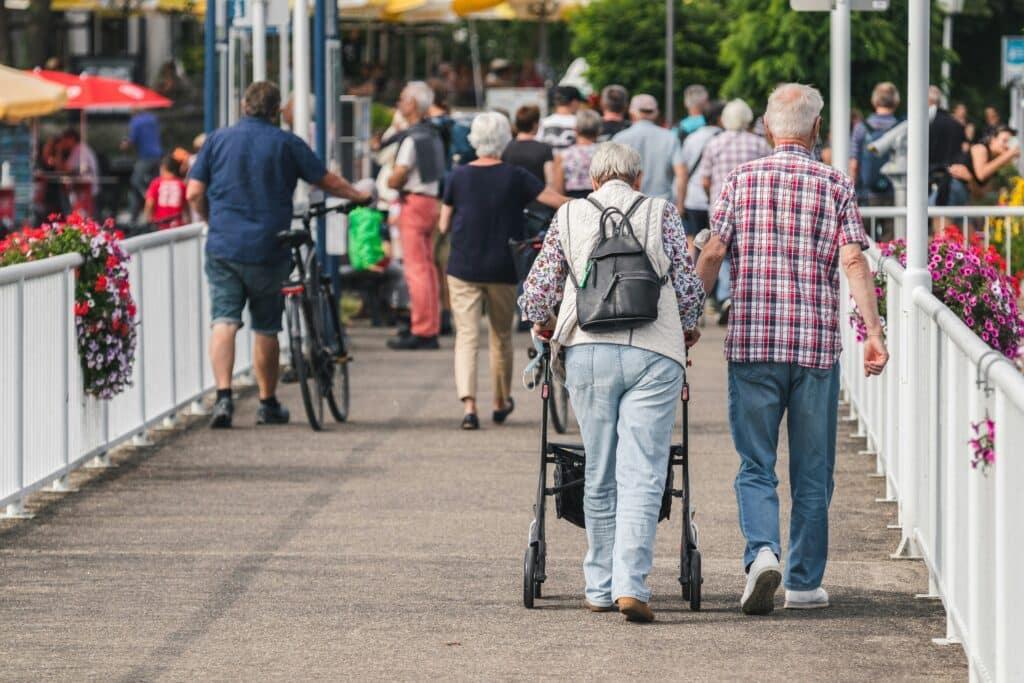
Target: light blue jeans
[(759, 394), (625, 401)]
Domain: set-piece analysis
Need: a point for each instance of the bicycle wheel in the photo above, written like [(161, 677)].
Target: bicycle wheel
[(300, 363), (559, 405), (336, 363)]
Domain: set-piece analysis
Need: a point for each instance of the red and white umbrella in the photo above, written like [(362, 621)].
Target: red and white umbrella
[(97, 92)]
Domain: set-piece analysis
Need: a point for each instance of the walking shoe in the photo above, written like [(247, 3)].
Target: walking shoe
[(272, 414), (499, 416), (470, 421), (223, 411), (635, 610), (763, 580), (723, 312), (597, 608), (413, 342), (814, 599)]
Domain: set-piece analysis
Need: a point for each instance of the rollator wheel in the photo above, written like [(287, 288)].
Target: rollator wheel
[(531, 588), (695, 581)]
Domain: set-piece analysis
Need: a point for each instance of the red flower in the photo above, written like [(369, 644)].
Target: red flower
[(101, 283), (131, 309), (118, 235), (81, 308), (112, 262)]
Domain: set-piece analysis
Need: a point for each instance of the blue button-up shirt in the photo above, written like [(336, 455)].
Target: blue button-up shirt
[(659, 151), (250, 171)]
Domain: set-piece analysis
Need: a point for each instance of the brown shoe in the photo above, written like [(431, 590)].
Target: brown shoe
[(598, 608), (635, 610)]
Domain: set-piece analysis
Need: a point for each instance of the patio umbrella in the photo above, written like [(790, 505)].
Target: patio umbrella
[(87, 93), (25, 97)]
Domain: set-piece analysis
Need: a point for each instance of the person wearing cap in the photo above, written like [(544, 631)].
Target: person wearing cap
[(559, 129), (659, 150)]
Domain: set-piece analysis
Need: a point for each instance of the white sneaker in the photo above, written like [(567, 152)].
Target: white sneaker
[(763, 580), (815, 599)]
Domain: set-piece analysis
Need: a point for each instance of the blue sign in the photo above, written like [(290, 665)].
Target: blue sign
[(1013, 59)]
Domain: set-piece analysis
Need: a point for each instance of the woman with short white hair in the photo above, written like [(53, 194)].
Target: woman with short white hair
[(624, 384), (483, 210), (737, 115)]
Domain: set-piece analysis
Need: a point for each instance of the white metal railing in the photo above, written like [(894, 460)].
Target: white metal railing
[(967, 526), (970, 219), (49, 426)]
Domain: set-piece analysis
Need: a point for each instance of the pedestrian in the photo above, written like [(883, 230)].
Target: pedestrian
[(788, 222), (695, 197), (624, 385), (572, 166), (874, 187), (948, 174), (81, 162), (165, 198), (695, 99), (988, 156), (144, 138), (419, 167), (993, 121), (660, 151), (526, 151), (559, 129), (734, 147), (483, 210), (614, 101), (244, 211)]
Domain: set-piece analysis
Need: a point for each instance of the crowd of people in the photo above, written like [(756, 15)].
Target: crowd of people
[(614, 286)]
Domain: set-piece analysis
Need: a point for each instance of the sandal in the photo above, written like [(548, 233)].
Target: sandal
[(499, 416), (470, 421)]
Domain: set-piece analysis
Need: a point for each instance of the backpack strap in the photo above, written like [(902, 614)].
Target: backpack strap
[(568, 257)]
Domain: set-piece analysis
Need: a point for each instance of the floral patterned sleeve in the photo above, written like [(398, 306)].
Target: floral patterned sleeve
[(544, 286), (689, 290)]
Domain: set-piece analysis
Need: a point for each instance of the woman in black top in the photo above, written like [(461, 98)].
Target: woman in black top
[(528, 152), (483, 209)]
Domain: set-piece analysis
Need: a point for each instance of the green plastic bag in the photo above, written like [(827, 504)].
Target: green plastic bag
[(364, 242)]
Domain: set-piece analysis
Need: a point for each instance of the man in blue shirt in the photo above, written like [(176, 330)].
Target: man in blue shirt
[(242, 184), (659, 150), (144, 137)]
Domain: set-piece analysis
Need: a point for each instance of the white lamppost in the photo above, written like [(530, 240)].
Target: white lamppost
[(949, 8)]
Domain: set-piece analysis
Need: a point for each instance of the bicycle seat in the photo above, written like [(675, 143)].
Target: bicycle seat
[(294, 238)]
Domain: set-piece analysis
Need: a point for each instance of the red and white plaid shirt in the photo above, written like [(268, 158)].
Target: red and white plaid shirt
[(784, 218)]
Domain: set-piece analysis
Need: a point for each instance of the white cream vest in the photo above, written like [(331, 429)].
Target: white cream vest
[(579, 232)]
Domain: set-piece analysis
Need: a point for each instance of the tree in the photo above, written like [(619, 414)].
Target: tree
[(768, 43), (623, 41)]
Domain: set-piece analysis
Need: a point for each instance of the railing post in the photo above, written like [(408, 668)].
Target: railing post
[(60, 484), (197, 407), (16, 509), (141, 439), (169, 421)]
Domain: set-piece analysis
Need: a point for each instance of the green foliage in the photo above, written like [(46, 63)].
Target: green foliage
[(624, 42)]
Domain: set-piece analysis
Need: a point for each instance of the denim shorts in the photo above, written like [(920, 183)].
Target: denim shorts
[(233, 284)]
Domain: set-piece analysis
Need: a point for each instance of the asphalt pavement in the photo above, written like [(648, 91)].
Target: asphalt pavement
[(390, 548)]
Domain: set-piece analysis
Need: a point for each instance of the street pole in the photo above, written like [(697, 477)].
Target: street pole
[(839, 86), (911, 362), (947, 47), (284, 64), (300, 69), (210, 68), (259, 40), (223, 61), (670, 60)]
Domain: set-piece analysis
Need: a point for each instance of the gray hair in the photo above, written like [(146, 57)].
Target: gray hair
[(588, 124), (695, 96), (422, 93), (614, 98), (615, 161), (886, 95), (936, 96), (490, 134), (792, 111), (737, 115)]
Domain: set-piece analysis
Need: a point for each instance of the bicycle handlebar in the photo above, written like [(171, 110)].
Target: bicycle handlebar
[(321, 209)]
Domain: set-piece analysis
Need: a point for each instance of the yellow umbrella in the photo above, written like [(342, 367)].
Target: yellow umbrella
[(23, 96), (518, 9)]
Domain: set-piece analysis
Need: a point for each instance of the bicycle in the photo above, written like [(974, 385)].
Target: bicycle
[(320, 358)]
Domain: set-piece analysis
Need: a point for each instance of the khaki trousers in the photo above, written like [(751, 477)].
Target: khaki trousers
[(467, 309)]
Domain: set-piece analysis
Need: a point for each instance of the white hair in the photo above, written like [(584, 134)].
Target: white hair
[(695, 96), (490, 134), (793, 110), (612, 161), (936, 96), (737, 115), (421, 93)]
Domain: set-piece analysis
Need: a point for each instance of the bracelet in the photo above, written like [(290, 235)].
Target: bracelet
[(877, 334)]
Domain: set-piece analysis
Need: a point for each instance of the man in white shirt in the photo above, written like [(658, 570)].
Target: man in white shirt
[(695, 197), (559, 129)]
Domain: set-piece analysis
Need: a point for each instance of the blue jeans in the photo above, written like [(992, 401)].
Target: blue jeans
[(759, 394), (625, 401)]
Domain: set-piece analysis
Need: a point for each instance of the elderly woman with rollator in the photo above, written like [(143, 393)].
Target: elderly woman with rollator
[(788, 222), (624, 384)]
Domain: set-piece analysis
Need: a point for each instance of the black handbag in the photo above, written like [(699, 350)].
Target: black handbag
[(619, 290)]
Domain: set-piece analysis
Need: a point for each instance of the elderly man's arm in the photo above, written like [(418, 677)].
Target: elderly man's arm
[(862, 287), (710, 262), (545, 285), (399, 177), (689, 294), (195, 193), (334, 184), (679, 170)]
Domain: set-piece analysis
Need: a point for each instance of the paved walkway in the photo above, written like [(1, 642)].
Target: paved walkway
[(391, 548)]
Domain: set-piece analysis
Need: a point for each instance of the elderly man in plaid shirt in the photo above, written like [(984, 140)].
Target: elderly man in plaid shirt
[(787, 222)]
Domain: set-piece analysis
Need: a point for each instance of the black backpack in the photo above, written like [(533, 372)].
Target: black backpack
[(620, 288)]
